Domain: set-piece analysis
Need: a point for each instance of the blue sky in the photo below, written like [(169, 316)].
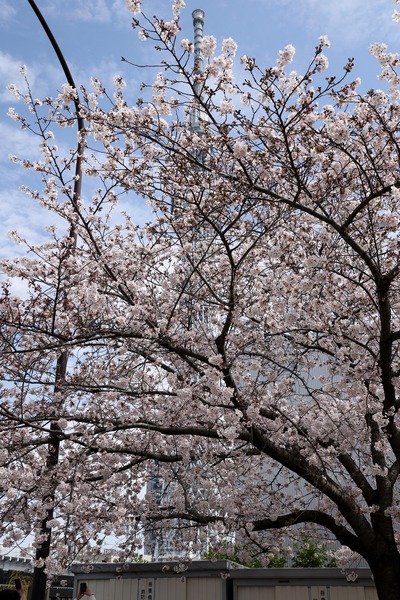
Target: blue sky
[(93, 35)]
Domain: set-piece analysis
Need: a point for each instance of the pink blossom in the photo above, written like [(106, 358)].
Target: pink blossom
[(68, 93), (240, 341), (14, 90), (134, 6), (12, 114), (208, 45), (187, 45), (324, 41), (285, 56), (178, 6), (229, 47), (240, 149), (321, 62), (226, 106)]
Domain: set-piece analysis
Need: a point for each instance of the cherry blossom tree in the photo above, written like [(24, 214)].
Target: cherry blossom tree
[(243, 345)]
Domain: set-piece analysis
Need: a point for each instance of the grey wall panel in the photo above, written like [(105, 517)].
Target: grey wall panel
[(170, 589), (292, 592), (247, 592), (201, 588)]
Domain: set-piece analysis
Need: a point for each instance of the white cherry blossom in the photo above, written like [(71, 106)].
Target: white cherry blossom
[(240, 347)]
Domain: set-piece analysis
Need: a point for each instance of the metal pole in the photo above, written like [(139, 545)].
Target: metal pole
[(39, 580)]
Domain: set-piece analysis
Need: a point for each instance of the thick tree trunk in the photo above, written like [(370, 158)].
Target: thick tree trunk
[(39, 584), (39, 580), (386, 573)]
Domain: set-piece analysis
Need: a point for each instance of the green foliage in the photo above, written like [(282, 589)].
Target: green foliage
[(139, 558), (277, 561), (234, 553), (312, 554), (307, 553)]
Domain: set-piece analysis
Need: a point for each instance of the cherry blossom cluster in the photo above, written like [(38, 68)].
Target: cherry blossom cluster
[(241, 348)]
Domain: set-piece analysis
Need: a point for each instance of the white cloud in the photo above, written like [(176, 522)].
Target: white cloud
[(44, 79), (351, 20), (22, 214), (7, 11), (9, 73), (18, 211), (18, 142), (89, 11), (114, 12)]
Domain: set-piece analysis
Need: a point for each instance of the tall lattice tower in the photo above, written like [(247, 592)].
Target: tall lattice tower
[(160, 546)]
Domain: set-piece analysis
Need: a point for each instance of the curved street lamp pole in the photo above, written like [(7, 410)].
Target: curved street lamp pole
[(39, 580)]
